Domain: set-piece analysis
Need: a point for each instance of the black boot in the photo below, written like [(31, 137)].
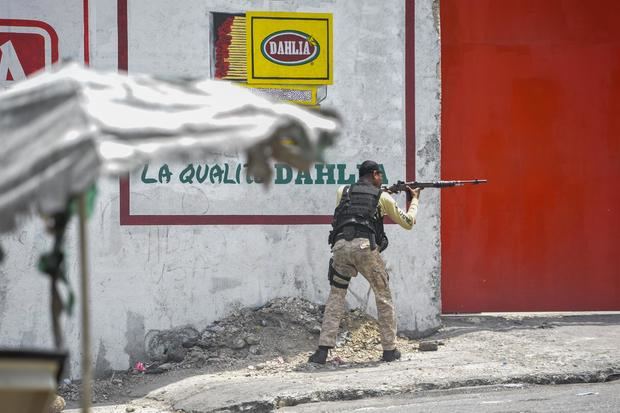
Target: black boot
[(319, 356), (390, 355)]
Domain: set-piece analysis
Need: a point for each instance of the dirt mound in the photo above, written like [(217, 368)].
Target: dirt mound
[(276, 336), (270, 339), (282, 327)]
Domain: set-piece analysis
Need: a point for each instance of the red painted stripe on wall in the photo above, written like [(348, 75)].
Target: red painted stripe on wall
[(86, 34), (125, 217), (226, 220), (410, 89), (122, 35)]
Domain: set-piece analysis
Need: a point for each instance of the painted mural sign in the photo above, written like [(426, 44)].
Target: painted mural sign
[(26, 46), (289, 48), (287, 56), (229, 173), (214, 187)]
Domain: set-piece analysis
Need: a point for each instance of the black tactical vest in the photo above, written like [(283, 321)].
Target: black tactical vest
[(357, 215)]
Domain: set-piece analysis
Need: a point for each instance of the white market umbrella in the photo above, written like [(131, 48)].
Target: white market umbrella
[(61, 130)]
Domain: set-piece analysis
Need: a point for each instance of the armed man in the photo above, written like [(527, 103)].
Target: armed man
[(357, 238)]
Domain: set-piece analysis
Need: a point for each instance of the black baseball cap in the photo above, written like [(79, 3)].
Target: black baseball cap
[(367, 167)]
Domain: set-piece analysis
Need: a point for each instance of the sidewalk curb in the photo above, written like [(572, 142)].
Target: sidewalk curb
[(269, 404)]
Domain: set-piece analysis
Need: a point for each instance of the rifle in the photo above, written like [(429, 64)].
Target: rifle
[(402, 185)]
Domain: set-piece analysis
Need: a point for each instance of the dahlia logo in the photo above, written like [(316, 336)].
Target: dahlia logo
[(290, 48), (26, 46)]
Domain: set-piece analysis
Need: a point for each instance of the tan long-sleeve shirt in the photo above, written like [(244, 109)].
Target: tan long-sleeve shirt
[(388, 206)]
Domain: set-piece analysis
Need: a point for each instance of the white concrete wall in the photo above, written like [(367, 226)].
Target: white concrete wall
[(158, 277)]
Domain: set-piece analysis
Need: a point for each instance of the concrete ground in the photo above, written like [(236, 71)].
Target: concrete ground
[(474, 350), (566, 398)]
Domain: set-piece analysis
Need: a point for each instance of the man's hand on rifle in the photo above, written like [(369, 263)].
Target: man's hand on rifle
[(414, 193)]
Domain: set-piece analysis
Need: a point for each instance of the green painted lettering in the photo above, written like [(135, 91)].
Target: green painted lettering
[(201, 178), (385, 178), (227, 180), (226, 173), (164, 174), (284, 174), (305, 176), (216, 174), (248, 177), (341, 172), (144, 178), (327, 173), (187, 174)]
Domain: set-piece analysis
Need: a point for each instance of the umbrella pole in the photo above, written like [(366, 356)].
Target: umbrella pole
[(86, 365)]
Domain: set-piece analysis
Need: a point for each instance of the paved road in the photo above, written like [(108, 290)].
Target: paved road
[(598, 397)]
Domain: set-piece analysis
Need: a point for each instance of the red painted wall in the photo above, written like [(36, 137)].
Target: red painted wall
[(531, 101)]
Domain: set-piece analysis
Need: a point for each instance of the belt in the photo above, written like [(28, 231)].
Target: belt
[(357, 234)]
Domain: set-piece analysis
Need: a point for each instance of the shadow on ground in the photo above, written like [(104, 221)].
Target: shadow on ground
[(457, 325)]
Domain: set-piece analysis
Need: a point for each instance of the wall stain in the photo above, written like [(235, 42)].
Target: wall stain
[(429, 153), (135, 338), (4, 289), (436, 16), (222, 283), (102, 365)]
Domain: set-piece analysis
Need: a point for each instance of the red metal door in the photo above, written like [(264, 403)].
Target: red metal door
[(531, 101)]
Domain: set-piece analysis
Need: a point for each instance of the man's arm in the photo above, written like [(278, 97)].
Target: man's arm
[(402, 218)]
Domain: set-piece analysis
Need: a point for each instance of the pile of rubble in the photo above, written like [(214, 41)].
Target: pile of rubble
[(271, 339), (281, 328), (278, 336), (111, 389)]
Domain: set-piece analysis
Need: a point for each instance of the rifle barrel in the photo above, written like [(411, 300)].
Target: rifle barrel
[(443, 184), (400, 185)]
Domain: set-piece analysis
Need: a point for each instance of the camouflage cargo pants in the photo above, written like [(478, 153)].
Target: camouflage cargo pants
[(351, 257)]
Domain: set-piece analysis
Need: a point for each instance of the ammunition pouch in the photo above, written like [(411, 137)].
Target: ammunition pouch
[(384, 243), (350, 232), (335, 278), (373, 242)]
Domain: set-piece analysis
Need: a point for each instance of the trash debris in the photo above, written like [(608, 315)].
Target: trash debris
[(139, 367), (337, 361), (588, 393), (513, 385), (428, 346), (170, 345), (158, 369)]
